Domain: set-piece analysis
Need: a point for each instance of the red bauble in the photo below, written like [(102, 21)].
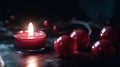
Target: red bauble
[(46, 23), (109, 33), (103, 49), (55, 29), (81, 39), (64, 46)]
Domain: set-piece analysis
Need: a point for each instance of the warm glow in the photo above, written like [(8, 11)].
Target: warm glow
[(30, 29), (32, 61)]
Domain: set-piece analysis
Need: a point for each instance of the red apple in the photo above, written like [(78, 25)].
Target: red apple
[(81, 39), (64, 46), (109, 33), (103, 49)]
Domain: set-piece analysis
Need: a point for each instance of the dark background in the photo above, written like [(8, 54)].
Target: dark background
[(86, 10), (38, 8), (83, 9)]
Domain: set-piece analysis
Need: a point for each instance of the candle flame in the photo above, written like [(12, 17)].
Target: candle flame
[(30, 29)]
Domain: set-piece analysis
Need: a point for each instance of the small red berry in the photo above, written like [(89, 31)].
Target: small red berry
[(13, 18), (55, 29), (46, 23)]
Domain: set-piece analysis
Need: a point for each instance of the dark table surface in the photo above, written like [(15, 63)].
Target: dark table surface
[(47, 57)]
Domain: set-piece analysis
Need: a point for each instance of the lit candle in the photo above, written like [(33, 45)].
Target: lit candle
[(30, 40)]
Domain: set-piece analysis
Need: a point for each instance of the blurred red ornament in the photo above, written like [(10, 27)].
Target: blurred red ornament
[(8, 24), (13, 18), (64, 46), (109, 33), (55, 29), (103, 49), (81, 38), (74, 18), (46, 23), (7, 21)]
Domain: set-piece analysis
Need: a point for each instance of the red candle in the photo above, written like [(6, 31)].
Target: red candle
[(30, 40)]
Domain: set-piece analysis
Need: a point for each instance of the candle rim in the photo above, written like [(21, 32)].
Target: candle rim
[(26, 37), (30, 37)]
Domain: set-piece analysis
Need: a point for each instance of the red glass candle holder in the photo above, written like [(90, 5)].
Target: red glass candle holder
[(24, 42)]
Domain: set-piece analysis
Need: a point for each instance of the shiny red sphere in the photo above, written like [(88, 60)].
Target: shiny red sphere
[(81, 38), (103, 49), (46, 23), (64, 46), (109, 33)]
